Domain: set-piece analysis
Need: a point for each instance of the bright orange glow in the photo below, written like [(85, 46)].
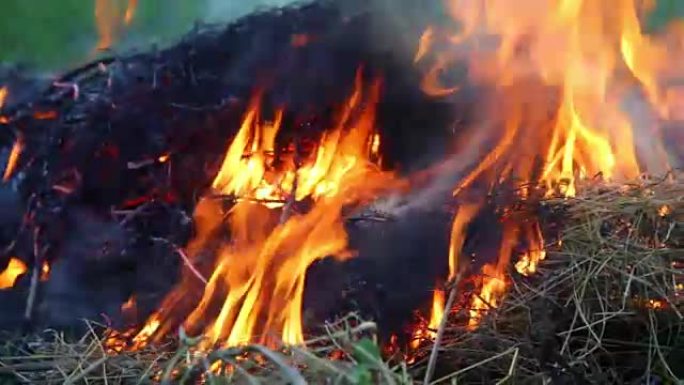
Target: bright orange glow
[(529, 260), (9, 276), (130, 11), (45, 115), (3, 96), (259, 277), (427, 331), (575, 90), (464, 216), (111, 18), (45, 271), (592, 60), (12, 160), (664, 211), (493, 286), (129, 305), (147, 331), (655, 304), (106, 20), (437, 311)]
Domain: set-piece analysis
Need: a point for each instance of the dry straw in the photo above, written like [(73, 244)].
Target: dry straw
[(605, 307)]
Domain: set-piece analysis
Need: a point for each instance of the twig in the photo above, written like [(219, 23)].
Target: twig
[(432, 362)]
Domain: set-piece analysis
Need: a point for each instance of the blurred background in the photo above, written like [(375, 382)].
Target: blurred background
[(49, 34), (52, 34)]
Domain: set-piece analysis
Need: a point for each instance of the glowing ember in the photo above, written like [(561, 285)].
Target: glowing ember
[(664, 211), (129, 305), (9, 276), (3, 96), (259, 277), (45, 271), (655, 304), (12, 160)]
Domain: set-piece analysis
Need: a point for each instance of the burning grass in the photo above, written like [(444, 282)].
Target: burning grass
[(604, 307), (345, 353)]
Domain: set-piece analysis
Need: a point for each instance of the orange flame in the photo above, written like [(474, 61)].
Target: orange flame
[(45, 271), (12, 160), (493, 286), (3, 96), (596, 56), (110, 19), (259, 277), (577, 90), (9, 276), (130, 11)]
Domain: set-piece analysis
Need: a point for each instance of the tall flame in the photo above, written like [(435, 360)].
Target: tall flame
[(259, 277), (576, 89)]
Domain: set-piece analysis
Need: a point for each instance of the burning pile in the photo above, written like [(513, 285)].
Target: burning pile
[(562, 260)]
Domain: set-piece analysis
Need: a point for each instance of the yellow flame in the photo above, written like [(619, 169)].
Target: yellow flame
[(493, 286), (576, 90), (259, 277), (9, 276)]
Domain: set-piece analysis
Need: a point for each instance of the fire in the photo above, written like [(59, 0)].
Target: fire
[(493, 286), (437, 311), (110, 18), (130, 11), (12, 160), (664, 211), (259, 276), (3, 96), (655, 304), (529, 260), (9, 276), (576, 90), (596, 56), (45, 271)]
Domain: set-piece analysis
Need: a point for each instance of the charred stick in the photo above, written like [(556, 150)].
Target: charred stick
[(35, 278), (184, 257)]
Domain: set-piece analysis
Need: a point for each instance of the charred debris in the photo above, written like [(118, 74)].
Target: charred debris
[(114, 154)]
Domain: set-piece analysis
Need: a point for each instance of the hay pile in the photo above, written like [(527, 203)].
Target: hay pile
[(345, 353), (605, 307)]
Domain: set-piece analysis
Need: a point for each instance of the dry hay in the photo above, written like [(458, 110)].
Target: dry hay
[(605, 307), (345, 353)]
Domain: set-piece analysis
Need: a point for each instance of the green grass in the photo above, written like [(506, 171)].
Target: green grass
[(50, 34), (54, 34)]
